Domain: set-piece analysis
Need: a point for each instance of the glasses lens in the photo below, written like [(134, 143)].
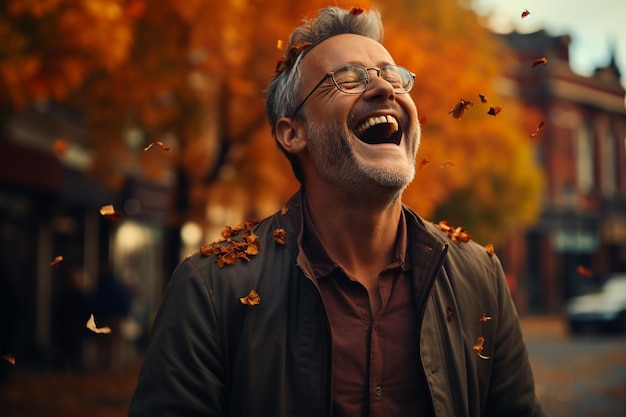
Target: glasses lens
[(351, 79), (399, 77)]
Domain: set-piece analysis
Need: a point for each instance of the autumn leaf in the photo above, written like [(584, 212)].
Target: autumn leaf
[(251, 300), (539, 61), (459, 108), (355, 11), (448, 162), (279, 44), (9, 358), (60, 147), (525, 13), (165, 148), (91, 325), (482, 97), (478, 347), (147, 148), (284, 209), (585, 272), (57, 260), (490, 249), (494, 110), (280, 236), (423, 162), (456, 234), (537, 129), (232, 246), (109, 213), (483, 319)]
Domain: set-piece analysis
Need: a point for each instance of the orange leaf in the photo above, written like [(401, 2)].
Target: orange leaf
[(525, 13), (251, 300), (459, 108), (483, 319), (165, 148), (585, 272), (109, 213), (423, 162), (355, 11), (539, 61), (280, 236), (537, 129), (448, 162), (60, 147), (482, 97), (91, 325), (494, 110), (57, 260), (478, 347), (490, 249), (147, 148), (10, 358)]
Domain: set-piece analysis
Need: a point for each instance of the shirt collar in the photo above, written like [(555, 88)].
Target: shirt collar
[(322, 263)]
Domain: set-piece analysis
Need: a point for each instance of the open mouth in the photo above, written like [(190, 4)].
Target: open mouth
[(379, 129)]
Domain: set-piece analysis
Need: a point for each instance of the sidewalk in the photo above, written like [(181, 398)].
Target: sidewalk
[(59, 394)]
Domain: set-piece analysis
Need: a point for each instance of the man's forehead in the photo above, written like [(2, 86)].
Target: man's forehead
[(344, 48)]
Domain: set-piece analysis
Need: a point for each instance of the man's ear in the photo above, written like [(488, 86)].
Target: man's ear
[(289, 135)]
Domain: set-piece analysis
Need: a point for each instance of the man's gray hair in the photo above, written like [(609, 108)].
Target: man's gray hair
[(283, 93)]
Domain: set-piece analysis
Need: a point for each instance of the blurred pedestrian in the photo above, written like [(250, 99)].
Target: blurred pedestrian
[(72, 311), (111, 308)]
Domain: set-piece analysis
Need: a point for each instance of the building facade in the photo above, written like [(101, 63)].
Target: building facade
[(580, 238)]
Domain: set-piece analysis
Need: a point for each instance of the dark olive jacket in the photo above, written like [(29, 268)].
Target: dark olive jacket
[(211, 355)]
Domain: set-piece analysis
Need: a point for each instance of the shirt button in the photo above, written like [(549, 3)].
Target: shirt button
[(379, 391)]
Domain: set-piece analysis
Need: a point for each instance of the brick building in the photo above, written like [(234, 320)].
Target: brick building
[(582, 149)]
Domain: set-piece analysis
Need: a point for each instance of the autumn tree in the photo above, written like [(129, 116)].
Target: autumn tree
[(477, 171), (192, 74)]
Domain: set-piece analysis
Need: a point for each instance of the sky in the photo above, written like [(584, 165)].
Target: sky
[(594, 26)]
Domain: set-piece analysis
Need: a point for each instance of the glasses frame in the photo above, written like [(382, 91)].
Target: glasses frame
[(368, 80)]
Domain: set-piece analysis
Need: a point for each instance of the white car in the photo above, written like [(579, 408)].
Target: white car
[(603, 310)]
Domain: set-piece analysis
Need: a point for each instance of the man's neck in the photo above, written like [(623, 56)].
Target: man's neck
[(359, 236)]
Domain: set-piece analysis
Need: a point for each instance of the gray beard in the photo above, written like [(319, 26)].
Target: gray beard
[(338, 165)]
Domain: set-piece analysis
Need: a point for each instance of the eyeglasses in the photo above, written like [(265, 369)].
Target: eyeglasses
[(354, 79)]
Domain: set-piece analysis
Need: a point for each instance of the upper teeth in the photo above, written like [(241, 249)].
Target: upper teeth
[(377, 120)]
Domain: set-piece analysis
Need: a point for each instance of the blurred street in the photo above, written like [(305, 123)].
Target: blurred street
[(581, 376)]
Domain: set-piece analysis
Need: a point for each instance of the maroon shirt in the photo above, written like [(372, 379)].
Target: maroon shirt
[(376, 367)]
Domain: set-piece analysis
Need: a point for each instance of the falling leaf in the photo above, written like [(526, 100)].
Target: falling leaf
[(165, 148), (422, 119), (280, 236), (147, 148), (109, 213), (483, 319), (459, 108), (57, 260), (482, 97), (525, 13), (585, 272), (539, 61), (251, 300), (537, 129), (284, 209), (478, 347), (448, 162), (355, 11), (279, 44), (91, 325), (423, 162), (490, 249), (9, 358), (494, 110), (60, 147)]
